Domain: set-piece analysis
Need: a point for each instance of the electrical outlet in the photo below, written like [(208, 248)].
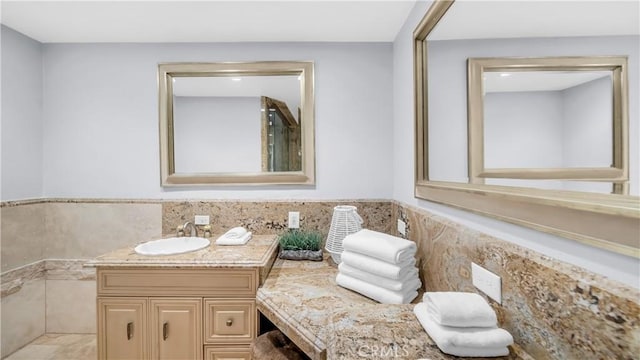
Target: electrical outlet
[(402, 227), (202, 220), (487, 282), (294, 219)]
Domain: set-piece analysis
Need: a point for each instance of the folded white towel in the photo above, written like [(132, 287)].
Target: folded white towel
[(461, 309), (222, 240), (378, 267), (473, 351), (391, 249), (374, 292), (457, 341), (410, 280), (235, 233)]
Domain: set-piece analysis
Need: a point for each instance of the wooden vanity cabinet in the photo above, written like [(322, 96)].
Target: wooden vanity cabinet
[(176, 313), (123, 328)]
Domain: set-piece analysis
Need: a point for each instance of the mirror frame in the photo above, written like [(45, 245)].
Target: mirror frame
[(166, 73), (617, 173), (608, 221)]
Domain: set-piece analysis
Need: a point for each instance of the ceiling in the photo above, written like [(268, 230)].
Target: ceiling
[(309, 20), (207, 21), (482, 19), (281, 87), (539, 80)]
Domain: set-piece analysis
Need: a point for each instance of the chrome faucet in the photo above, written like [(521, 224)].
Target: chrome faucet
[(193, 232)]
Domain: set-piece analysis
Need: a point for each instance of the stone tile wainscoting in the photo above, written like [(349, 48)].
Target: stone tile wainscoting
[(550, 307), (43, 294), (554, 310)]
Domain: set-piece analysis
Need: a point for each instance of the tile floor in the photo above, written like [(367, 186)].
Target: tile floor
[(58, 347)]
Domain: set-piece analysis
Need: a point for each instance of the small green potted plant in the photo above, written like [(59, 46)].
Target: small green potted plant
[(301, 245)]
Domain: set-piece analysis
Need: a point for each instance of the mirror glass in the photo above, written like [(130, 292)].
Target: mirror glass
[(236, 123), (254, 118), (579, 190), (533, 119), (548, 119)]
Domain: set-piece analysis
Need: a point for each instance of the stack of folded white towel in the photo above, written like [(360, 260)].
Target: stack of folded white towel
[(462, 324), (379, 266)]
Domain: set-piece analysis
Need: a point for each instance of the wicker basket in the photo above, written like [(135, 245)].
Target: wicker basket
[(345, 221)]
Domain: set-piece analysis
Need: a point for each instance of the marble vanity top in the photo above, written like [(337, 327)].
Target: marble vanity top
[(258, 252), (326, 321)]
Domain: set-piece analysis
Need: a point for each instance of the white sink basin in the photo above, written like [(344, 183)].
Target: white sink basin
[(174, 245)]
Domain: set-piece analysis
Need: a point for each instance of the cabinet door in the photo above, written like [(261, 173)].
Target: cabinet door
[(122, 328), (176, 328), (213, 353)]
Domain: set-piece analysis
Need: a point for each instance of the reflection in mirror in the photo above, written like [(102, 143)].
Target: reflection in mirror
[(240, 115), (548, 119), (565, 203), (553, 118), (236, 123)]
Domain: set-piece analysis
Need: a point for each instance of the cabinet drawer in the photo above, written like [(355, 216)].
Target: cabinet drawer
[(229, 321), (213, 353), (178, 282)]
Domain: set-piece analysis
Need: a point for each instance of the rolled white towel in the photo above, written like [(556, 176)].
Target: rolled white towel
[(410, 280), (391, 249), (222, 240), (464, 341), (378, 267), (460, 309), (374, 292)]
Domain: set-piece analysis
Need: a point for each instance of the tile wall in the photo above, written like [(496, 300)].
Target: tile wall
[(554, 310), (550, 307)]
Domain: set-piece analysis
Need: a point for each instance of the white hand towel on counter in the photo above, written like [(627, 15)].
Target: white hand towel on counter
[(460, 309), (377, 267), (481, 342), (235, 233), (374, 292), (410, 280), (222, 240), (391, 249)]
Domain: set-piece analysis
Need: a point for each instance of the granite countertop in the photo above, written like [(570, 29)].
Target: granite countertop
[(327, 321), (258, 252)]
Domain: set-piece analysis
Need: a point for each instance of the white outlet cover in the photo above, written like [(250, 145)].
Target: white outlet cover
[(202, 220), (294, 220), (402, 227), (487, 282)]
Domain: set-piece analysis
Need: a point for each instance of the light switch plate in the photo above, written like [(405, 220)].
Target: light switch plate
[(294, 219), (202, 220), (487, 282), (402, 227)]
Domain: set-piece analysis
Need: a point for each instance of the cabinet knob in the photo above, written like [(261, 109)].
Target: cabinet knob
[(129, 331), (229, 322)]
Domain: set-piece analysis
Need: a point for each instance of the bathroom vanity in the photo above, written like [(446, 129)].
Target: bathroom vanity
[(329, 322), (191, 306)]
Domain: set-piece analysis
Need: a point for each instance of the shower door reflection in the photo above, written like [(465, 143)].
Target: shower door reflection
[(283, 137)]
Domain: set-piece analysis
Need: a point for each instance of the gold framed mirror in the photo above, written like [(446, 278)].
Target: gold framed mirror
[(610, 221), (246, 123), (538, 98)]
